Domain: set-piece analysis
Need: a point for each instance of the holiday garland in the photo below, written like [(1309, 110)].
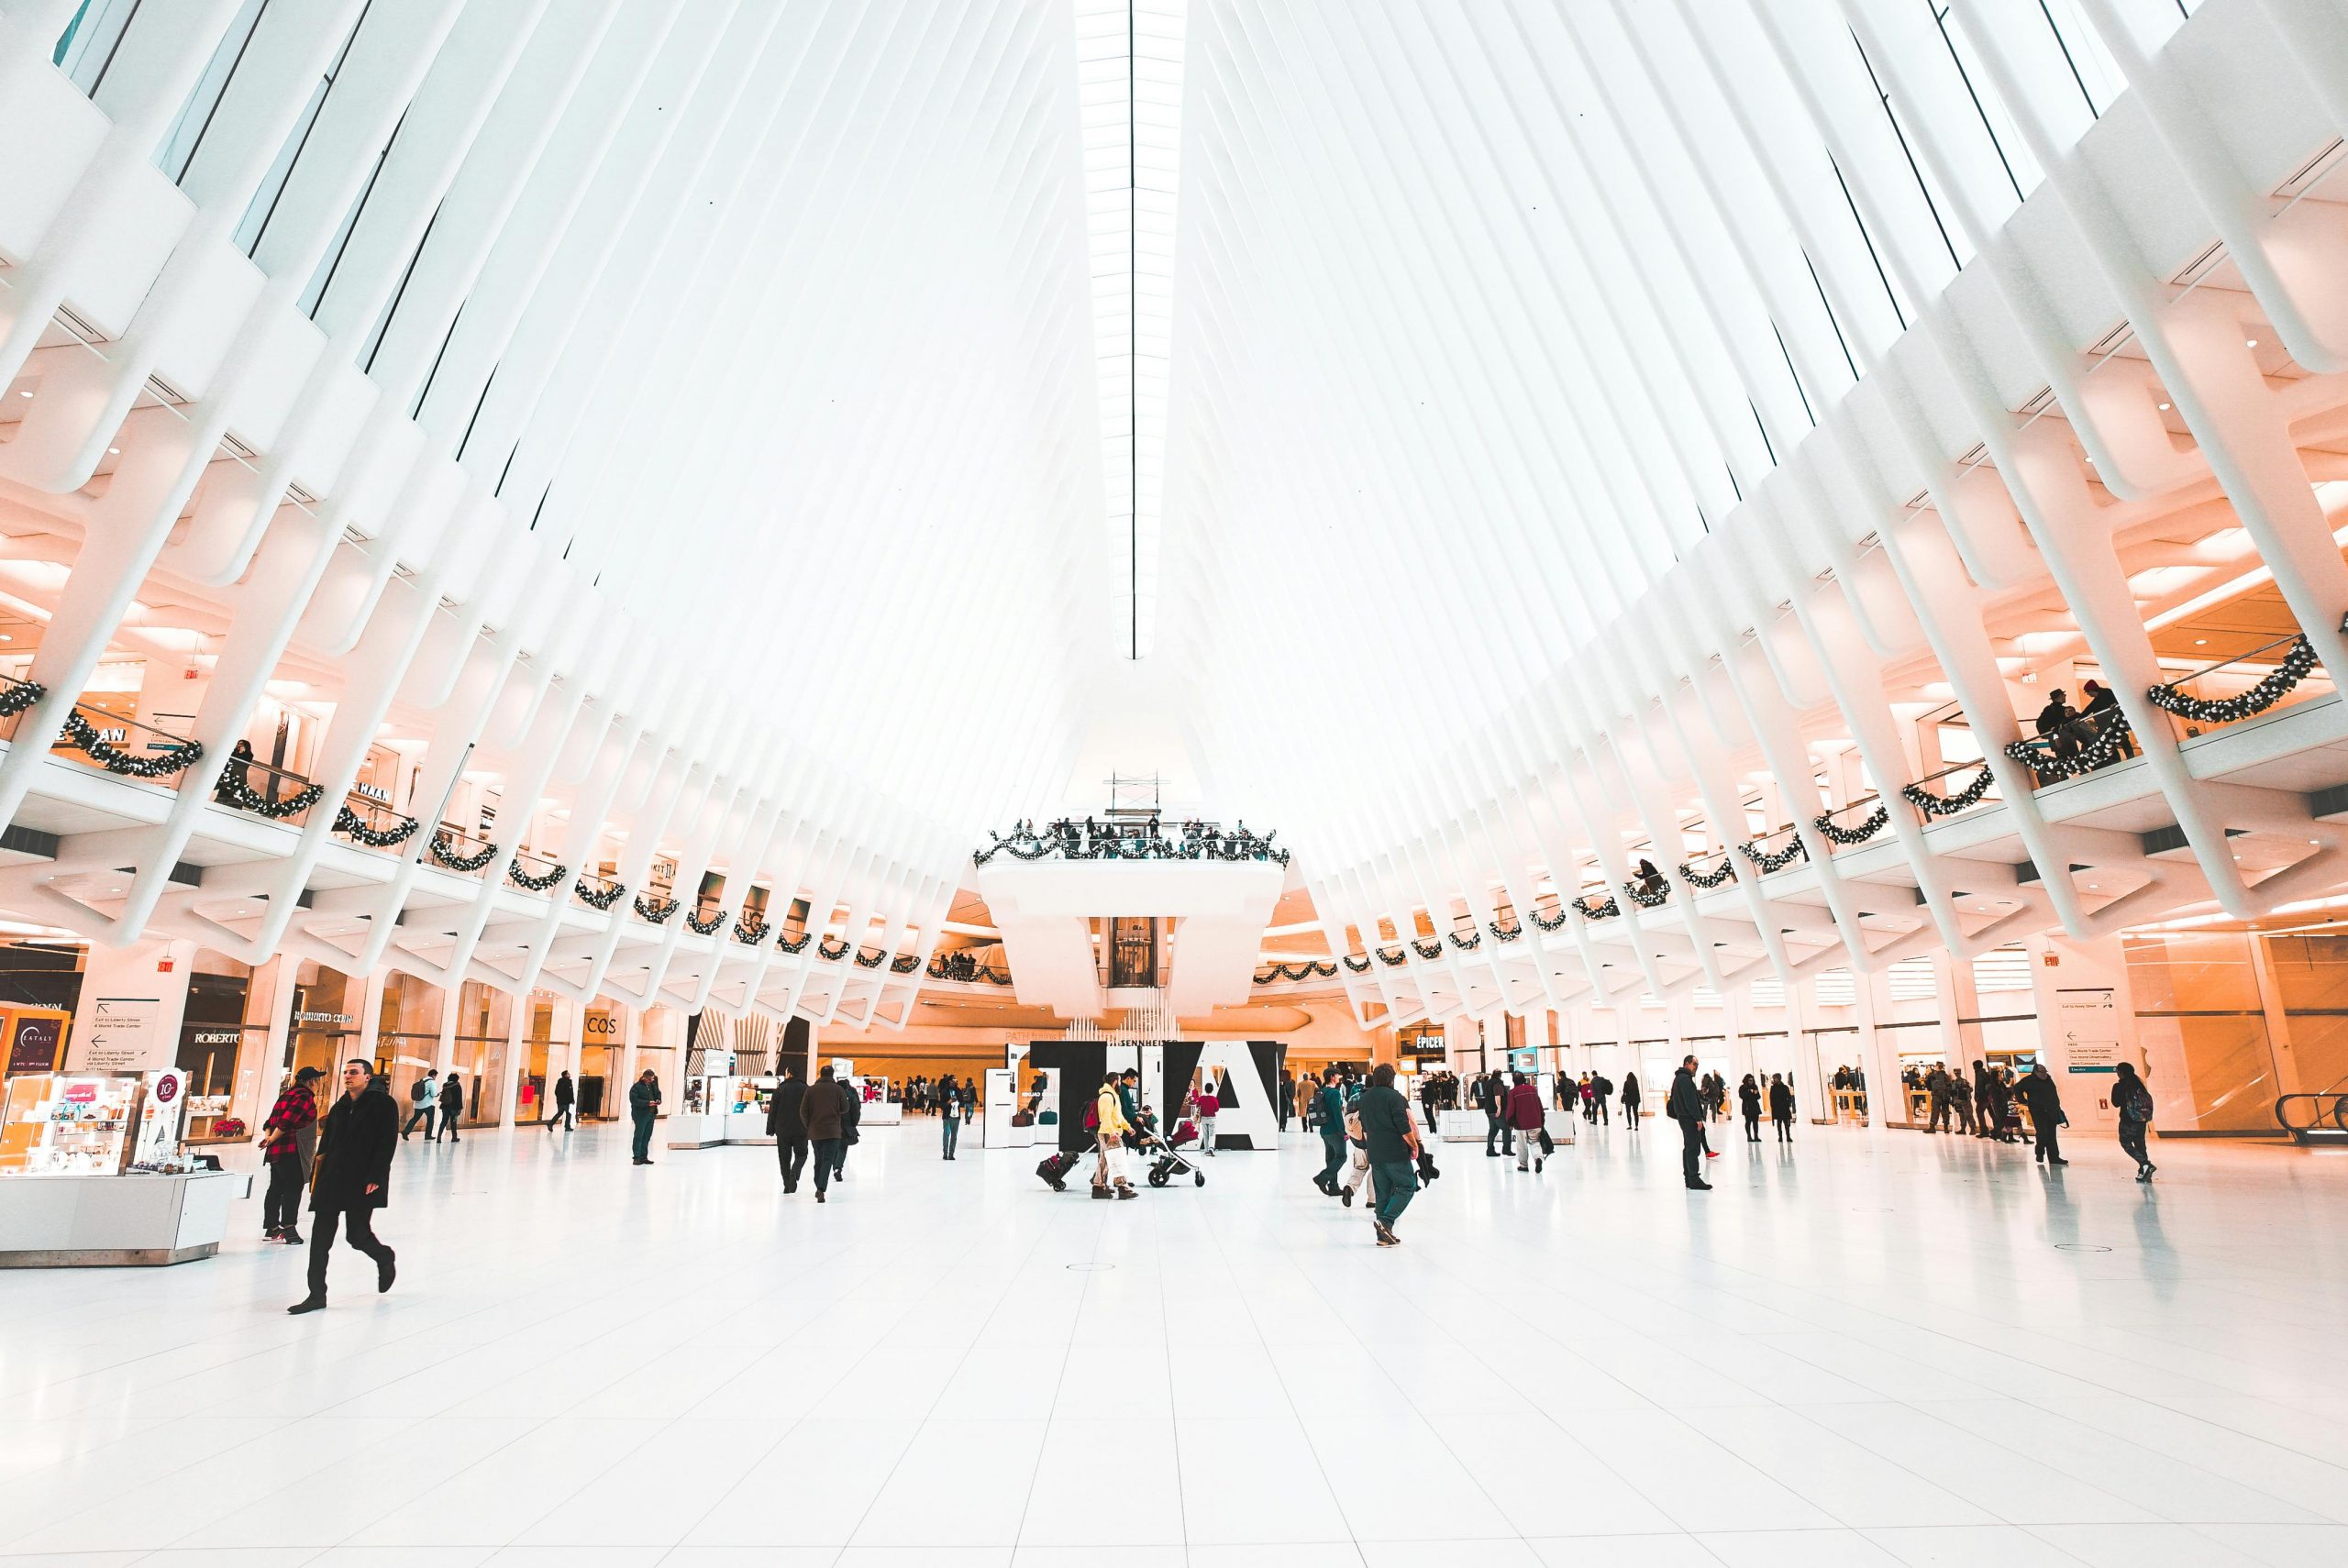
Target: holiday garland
[(658, 910), (232, 790), (123, 764), (2102, 753), (538, 884), (1606, 910), (1469, 943), (601, 898), (794, 943), (826, 950), (1647, 897), (709, 927), (1847, 836), (351, 825), (751, 931), (871, 963), (2298, 663), (1707, 879), (1553, 923), (20, 697), (1772, 860), (1427, 950), (1392, 957), (905, 963), (1934, 805), (1506, 932), (461, 862), (1272, 974), (1360, 968)]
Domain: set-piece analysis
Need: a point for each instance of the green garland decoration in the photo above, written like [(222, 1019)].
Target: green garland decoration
[(127, 765), (461, 862), (353, 826)]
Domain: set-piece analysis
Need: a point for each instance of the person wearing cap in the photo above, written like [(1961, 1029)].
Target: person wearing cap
[(290, 1136)]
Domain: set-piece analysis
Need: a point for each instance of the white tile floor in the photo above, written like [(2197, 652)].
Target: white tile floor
[(1869, 1350)]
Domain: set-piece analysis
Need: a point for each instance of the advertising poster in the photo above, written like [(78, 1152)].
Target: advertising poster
[(34, 1041)]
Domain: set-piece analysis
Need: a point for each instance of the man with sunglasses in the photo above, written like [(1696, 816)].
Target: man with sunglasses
[(353, 1178)]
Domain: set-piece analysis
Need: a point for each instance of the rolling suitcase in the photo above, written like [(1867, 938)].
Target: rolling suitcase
[(1054, 1168)]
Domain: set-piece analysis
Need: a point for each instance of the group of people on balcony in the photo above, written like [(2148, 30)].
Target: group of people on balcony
[(1145, 840), (2069, 732)]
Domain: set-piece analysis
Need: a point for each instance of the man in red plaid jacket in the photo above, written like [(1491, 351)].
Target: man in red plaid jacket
[(289, 1134)]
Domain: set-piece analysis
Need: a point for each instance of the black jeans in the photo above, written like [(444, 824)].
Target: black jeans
[(790, 1153), (2131, 1139), (359, 1228), (1784, 1128), (422, 1113), (281, 1205), (564, 1113), (1691, 1145), (829, 1153), (1752, 1128), (448, 1124), (2050, 1146), (1495, 1127)]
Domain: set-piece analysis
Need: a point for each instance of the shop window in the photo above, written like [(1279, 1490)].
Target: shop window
[(216, 1040), (484, 1021), (2202, 1025), (324, 1020), (407, 1030)]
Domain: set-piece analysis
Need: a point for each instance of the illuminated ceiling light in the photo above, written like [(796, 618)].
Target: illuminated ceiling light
[(117, 451), (2164, 408), (2247, 343)]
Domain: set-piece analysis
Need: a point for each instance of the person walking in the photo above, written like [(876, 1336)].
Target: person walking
[(566, 1100), (790, 1131), (1431, 1099), (1631, 1100), (1486, 1096), (643, 1107), (1986, 1125), (851, 1114), (452, 1104), (2132, 1098), (422, 1094), (1393, 1146), (1960, 1102), (1329, 1110), (1685, 1105), (1284, 1103), (2044, 1103), (823, 1110), (1936, 1089), (1748, 1100), (1601, 1089), (949, 1113), (1109, 1128), (1524, 1117), (1207, 1105), (356, 1142), (290, 1140), (1781, 1107)]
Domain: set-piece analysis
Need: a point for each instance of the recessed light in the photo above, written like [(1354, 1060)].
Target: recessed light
[(117, 451), (23, 394), (2247, 343), (2164, 408), (2200, 642)]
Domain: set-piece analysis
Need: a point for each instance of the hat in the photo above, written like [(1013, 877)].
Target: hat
[(306, 1074)]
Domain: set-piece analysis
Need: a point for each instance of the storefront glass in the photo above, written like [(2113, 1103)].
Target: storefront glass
[(2203, 1026), (602, 1095), (324, 1020), (485, 1018), (407, 1030), (216, 1035), (546, 1050)]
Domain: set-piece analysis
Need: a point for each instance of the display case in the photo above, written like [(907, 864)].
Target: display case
[(57, 1124)]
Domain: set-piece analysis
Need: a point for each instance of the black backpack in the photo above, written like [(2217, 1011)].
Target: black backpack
[(415, 1091)]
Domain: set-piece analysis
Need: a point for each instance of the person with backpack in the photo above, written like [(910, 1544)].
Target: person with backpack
[(452, 1104), (1329, 1112), (422, 1094), (1205, 1105), (1106, 1122), (2132, 1098), (565, 1099), (1601, 1088), (1781, 1107), (1525, 1118)]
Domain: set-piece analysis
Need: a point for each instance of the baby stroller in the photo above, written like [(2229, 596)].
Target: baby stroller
[(1170, 1158)]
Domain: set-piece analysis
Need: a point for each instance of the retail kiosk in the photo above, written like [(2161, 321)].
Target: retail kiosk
[(94, 1171)]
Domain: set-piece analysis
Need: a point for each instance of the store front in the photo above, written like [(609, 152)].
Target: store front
[(602, 1057), (220, 1037), (324, 1020), (477, 1055), (407, 1031), (545, 1052)]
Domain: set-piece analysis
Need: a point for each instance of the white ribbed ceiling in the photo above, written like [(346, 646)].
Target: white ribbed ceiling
[(898, 370)]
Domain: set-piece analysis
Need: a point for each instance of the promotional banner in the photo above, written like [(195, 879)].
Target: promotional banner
[(36, 1040)]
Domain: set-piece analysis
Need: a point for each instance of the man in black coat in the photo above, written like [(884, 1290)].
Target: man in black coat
[(1685, 1105), (790, 1131), (353, 1179), (2044, 1103), (566, 1099), (452, 1104)]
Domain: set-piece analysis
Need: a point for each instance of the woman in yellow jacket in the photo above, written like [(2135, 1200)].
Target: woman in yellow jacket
[(1109, 1118)]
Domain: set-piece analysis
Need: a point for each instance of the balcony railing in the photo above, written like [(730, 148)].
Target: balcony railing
[(95, 738), (1956, 788), (535, 873), (370, 822), (453, 849), (1848, 826), (1714, 869), (259, 789), (2279, 674), (1774, 850)]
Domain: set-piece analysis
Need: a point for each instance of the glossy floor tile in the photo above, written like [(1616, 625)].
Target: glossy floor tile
[(1868, 1350)]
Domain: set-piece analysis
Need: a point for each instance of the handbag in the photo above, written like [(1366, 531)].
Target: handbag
[(1547, 1147), (1021, 1119), (1047, 1119)]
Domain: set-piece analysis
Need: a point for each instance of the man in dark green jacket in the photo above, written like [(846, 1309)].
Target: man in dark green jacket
[(1393, 1146), (642, 1105), (1329, 1112)]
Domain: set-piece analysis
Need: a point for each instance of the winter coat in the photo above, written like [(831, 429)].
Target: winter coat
[(1686, 1101), (355, 1143), (821, 1109), (782, 1111), (1525, 1107)]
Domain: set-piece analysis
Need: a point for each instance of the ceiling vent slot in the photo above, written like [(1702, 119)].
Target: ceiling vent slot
[(81, 327)]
